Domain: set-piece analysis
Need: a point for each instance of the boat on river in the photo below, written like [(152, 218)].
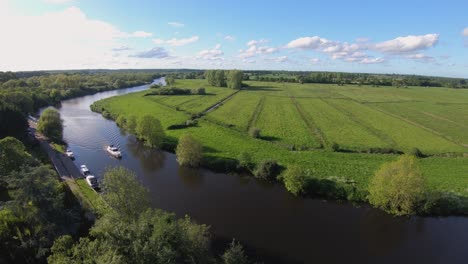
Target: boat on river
[(114, 151)]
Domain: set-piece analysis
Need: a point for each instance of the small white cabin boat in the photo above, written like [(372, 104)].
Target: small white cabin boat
[(84, 170), (92, 181), (114, 151)]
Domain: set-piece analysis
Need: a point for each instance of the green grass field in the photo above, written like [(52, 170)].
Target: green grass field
[(317, 115)]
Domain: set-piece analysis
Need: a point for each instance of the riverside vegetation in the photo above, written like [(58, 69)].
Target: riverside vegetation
[(334, 138)]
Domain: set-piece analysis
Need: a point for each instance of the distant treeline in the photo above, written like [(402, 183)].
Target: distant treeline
[(20, 96), (356, 78)]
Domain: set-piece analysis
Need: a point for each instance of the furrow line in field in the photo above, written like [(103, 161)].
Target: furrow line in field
[(378, 133), (256, 113), (437, 133), (308, 120)]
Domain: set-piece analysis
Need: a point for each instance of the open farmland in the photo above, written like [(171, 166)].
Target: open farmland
[(311, 117)]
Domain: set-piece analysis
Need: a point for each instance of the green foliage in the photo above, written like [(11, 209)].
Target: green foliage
[(13, 155), (50, 124), (200, 91), (295, 180), (235, 254), (131, 124), (170, 79), (245, 161), (170, 91), (189, 151), (121, 121), (150, 130), (35, 217), (124, 194), (12, 120), (335, 147), (234, 79), (216, 78), (398, 187), (267, 169)]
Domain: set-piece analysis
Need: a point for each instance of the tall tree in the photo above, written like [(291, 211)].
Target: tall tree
[(189, 151), (150, 130), (234, 79), (50, 124)]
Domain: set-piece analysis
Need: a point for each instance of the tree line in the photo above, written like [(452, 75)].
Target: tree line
[(221, 78), (342, 78)]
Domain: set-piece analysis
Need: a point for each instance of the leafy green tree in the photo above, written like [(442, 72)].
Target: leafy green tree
[(131, 124), (295, 180), (13, 155), (124, 193), (13, 121), (220, 78), (50, 124), (267, 169), (150, 130), (234, 79), (170, 79), (121, 121), (235, 254), (35, 216), (189, 151), (398, 187)]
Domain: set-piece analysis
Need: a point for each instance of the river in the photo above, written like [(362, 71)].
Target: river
[(263, 215)]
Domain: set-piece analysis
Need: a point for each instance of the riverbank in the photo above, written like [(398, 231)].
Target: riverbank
[(90, 201), (337, 175)]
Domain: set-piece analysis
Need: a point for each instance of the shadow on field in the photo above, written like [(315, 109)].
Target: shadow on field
[(262, 88), (269, 138)]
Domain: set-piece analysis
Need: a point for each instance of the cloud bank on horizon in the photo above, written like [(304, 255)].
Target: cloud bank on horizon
[(64, 36)]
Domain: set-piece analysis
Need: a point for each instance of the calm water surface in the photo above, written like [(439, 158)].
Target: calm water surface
[(259, 214)]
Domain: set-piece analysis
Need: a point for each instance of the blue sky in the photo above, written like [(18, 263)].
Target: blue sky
[(411, 37)]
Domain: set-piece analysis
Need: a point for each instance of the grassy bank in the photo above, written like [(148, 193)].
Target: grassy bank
[(300, 124)]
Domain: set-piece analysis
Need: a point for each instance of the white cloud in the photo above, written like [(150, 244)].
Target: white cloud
[(313, 43), (372, 60), (358, 52), (465, 32), (176, 24), (407, 44), (281, 59), (315, 61), (420, 57), (211, 54), (176, 42), (141, 34), (255, 49), (229, 38)]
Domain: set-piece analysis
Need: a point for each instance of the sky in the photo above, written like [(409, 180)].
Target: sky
[(405, 37)]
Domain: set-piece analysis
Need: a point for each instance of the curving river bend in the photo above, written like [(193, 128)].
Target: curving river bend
[(259, 214)]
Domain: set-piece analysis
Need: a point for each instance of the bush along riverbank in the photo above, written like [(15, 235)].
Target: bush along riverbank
[(397, 186)]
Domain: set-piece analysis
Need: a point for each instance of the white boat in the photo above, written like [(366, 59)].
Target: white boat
[(69, 154), (92, 181), (114, 151), (84, 170)]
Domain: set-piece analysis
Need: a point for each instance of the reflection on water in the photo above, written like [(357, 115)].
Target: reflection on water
[(259, 213)]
